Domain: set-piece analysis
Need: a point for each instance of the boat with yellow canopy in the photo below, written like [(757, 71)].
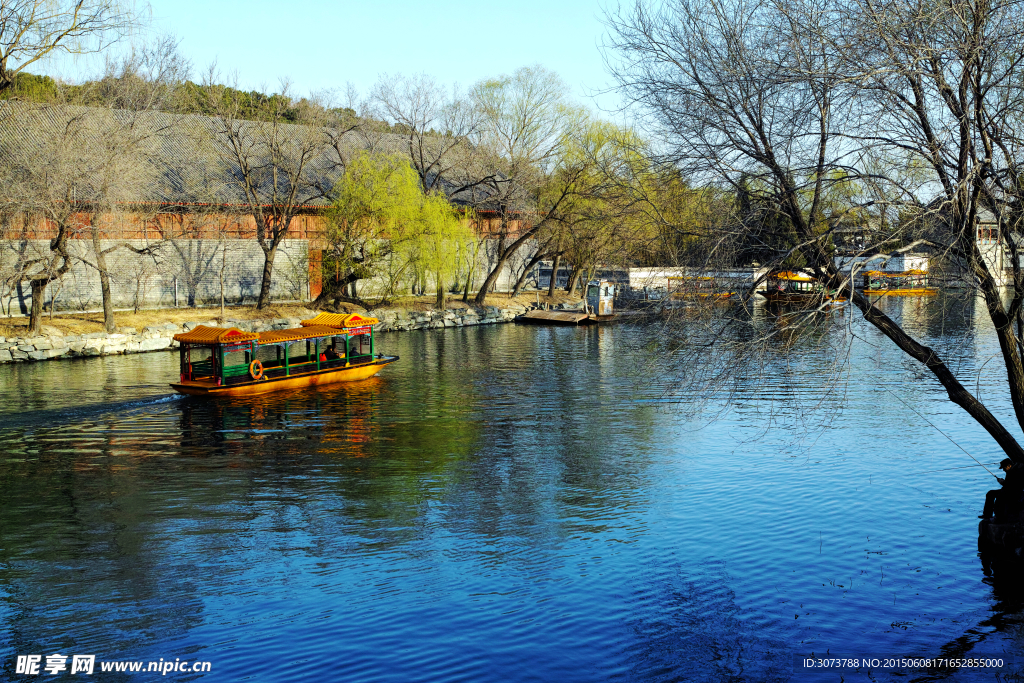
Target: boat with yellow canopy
[(698, 287), (906, 283), (797, 288), (329, 348)]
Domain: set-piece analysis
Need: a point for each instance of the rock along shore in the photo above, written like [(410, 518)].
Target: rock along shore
[(51, 344)]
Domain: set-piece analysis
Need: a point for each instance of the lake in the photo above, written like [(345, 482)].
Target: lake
[(508, 503)]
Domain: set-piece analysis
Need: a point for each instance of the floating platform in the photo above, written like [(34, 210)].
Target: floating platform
[(566, 318), (554, 318)]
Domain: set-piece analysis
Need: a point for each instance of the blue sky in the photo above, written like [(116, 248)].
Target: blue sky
[(322, 45)]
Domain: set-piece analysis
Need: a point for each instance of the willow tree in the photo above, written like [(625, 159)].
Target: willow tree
[(32, 30), (918, 103), (375, 215), (526, 123), (441, 244)]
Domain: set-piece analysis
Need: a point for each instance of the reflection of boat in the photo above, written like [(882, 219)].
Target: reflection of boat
[(797, 289), (907, 283), (217, 361), (698, 287)]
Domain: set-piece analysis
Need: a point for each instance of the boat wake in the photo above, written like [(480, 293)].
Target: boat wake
[(63, 416)]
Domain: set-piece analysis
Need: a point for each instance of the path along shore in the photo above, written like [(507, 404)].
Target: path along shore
[(52, 344)]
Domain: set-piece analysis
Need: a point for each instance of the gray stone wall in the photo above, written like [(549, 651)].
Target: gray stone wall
[(171, 273), (182, 273)]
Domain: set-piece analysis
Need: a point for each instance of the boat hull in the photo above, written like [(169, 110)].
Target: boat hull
[(903, 291), (353, 373), (799, 298)]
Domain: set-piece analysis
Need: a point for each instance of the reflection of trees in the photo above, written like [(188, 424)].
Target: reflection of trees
[(115, 521), (1003, 624), (370, 446), (561, 433), (81, 556)]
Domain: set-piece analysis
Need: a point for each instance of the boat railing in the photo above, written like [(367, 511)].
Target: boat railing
[(272, 369)]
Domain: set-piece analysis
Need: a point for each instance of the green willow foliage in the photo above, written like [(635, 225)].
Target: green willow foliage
[(383, 229)]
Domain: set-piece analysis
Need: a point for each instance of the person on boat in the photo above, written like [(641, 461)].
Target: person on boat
[(330, 353), (1005, 503)]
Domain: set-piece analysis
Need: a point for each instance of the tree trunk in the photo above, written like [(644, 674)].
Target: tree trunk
[(526, 271), (108, 305), (336, 290), (504, 253), (223, 265), (554, 274), (570, 287), (490, 279), (956, 392), (35, 319), (469, 283), (268, 273), (193, 289), (441, 302), (101, 266)]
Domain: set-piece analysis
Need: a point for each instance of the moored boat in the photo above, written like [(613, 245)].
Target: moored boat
[(218, 361), (599, 307), (704, 287), (797, 289), (906, 283)]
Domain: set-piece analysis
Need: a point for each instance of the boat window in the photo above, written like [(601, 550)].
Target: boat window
[(233, 358), (359, 346), (236, 364), (297, 353), (270, 356), (199, 361)]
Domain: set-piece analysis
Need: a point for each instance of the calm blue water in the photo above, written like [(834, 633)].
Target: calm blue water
[(505, 504)]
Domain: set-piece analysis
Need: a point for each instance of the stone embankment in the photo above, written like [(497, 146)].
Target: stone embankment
[(52, 344)]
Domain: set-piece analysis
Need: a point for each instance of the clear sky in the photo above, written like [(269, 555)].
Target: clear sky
[(322, 44)]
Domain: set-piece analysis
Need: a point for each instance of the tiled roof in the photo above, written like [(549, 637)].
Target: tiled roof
[(339, 320), (188, 158), (201, 334), (296, 334)]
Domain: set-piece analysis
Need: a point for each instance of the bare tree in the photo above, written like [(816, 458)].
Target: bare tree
[(437, 126), (31, 30), (276, 167), (913, 105), (526, 121), (43, 177), (125, 136)]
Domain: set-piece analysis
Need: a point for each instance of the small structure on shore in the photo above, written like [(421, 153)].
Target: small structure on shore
[(599, 307)]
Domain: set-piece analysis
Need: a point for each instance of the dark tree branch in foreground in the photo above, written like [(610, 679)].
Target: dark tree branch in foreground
[(900, 117)]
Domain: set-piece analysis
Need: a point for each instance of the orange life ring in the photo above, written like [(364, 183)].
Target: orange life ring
[(256, 369)]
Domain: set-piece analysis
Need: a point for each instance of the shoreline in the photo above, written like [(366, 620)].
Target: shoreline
[(51, 344)]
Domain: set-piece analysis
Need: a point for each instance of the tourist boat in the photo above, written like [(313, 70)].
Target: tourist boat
[(907, 283), (797, 289), (218, 361)]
